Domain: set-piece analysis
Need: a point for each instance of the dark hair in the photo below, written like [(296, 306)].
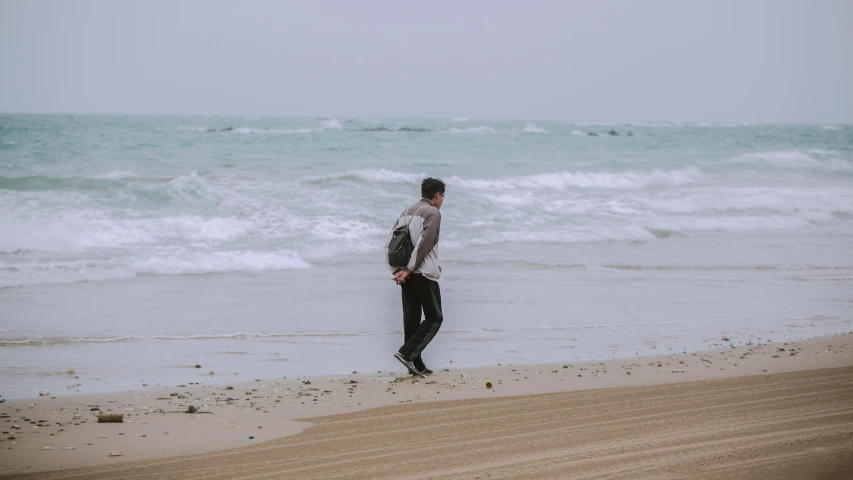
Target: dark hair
[(431, 186)]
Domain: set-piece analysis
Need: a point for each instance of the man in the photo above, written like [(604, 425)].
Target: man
[(419, 279)]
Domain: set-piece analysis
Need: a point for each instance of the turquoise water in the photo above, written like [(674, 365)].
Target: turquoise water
[(149, 243)]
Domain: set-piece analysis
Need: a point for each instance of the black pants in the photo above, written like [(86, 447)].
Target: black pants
[(419, 293)]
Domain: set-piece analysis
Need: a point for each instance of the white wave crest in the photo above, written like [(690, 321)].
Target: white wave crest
[(719, 201), (117, 175), (79, 231), (482, 129), (334, 124), (514, 199), (389, 176), (377, 176), (603, 233), (597, 124), (350, 230), (787, 158), (820, 158), (824, 152), (271, 131), (579, 133), (185, 263), (191, 180), (532, 128), (831, 127), (564, 180), (460, 119)]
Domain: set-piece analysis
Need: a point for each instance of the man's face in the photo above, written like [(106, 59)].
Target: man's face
[(438, 200)]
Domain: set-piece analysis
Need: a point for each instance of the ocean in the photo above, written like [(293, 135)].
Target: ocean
[(134, 248)]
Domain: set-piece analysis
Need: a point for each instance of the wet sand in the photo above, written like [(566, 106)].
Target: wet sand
[(755, 411)]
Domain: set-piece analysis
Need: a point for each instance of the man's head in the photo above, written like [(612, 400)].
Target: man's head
[(433, 190)]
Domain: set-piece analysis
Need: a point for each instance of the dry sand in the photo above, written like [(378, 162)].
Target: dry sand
[(759, 411)]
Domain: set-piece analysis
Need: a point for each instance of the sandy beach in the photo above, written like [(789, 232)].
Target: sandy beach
[(615, 236), (750, 411)]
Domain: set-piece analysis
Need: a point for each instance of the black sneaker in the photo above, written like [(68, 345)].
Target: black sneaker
[(424, 372), (407, 363)]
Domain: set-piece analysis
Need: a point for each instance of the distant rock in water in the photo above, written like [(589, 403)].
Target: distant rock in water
[(375, 129), (412, 129), (612, 133), (592, 134), (630, 134), (227, 129)]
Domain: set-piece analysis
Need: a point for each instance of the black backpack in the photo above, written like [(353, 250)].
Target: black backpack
[(401, 247)]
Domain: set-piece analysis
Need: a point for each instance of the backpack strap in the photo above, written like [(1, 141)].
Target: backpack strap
[(413, 215)]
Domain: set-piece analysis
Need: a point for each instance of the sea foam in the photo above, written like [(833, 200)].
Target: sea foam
[(564, 180), (117, 175), (373, 176), (796, 159), (532, 128), (185, 263), (333, 124), (482, 129), (244, 130)]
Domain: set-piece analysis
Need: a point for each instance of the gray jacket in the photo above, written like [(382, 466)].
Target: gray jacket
[(424, 225)]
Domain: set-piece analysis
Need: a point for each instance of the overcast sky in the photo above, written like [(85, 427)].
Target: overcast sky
[(693, 60)]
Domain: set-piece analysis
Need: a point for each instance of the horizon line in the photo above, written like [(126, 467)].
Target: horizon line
[(427, 117)]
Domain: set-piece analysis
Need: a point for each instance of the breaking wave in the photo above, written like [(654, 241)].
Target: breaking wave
[(473, 130), (333, 124), (377, 176), (563, 180), (272, 131), (796, 159), (117, 175), (532, 128), (185, 263)]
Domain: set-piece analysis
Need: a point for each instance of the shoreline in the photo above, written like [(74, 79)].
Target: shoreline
[(69, 378), (271, 410)]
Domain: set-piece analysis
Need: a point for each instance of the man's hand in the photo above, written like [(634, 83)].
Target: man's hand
[(401, 276)]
